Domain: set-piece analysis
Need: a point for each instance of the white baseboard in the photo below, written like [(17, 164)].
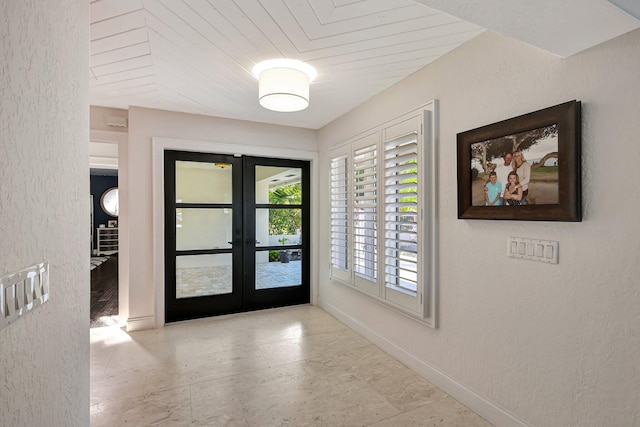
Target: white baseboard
[(480, 405), (140, 323)]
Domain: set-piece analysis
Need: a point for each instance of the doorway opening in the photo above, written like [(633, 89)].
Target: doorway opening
[(104, 247), (235, 234)]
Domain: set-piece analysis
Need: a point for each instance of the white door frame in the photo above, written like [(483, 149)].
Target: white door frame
[(160, 144)]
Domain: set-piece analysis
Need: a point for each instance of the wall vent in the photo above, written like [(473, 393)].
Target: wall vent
[(22, 292), (115, 121)]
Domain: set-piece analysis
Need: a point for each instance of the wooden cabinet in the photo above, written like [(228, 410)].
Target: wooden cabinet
[(107, 243)]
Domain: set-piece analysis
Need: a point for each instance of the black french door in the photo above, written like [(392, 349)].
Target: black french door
[(235, 234)]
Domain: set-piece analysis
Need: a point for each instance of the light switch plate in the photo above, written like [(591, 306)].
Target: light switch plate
[(533, 249), (22, 292)]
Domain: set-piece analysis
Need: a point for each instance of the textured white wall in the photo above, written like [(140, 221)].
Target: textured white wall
[(145, 124), (44, 208), (555, 345)]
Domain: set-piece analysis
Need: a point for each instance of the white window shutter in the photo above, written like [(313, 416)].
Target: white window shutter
[(340, 230), (365, 215)]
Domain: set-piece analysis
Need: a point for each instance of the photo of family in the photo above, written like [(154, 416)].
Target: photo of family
[(515, 170)]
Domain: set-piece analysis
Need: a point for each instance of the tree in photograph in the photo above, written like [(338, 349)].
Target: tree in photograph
[(495, 148)]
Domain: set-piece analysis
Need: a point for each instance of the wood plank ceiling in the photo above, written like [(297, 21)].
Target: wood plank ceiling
[(196, 56)]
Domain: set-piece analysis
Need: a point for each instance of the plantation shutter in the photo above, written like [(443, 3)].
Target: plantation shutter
[(383, 214), (365, 216), (340, 217), (401, 210)]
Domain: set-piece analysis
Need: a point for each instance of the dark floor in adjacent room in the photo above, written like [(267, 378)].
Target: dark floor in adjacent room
[(104, 293)]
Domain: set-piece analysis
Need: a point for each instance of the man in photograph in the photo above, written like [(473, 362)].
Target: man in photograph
[(503, 170)]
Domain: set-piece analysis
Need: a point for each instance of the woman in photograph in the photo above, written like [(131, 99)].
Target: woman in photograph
[(523, 169), (513, 190)]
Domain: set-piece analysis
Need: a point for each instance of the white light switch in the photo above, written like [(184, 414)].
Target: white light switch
[(549, 252), (533, 249), (529, 249)]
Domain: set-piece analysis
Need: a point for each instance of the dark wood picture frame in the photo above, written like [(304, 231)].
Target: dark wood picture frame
[(567, 118)]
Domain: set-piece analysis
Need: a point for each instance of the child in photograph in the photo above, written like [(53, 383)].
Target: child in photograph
[(493, 194), (513, 190)]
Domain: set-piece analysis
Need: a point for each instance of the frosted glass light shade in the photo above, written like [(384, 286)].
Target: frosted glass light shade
[(283, 84)]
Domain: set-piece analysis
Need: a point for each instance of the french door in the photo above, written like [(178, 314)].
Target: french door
[(235, 234)]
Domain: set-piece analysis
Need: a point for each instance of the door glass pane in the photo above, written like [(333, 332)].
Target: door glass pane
[(200, 182), (278, 227), (277, 269), (201, 275), (278, 185), (203, 228)]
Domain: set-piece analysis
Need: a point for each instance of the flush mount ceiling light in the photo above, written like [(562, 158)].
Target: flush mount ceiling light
[(283, 84)]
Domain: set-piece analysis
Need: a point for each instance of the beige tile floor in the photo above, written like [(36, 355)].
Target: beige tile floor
[(295, 366)]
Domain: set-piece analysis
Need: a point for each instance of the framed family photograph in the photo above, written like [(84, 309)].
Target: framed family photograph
[(525, 168)]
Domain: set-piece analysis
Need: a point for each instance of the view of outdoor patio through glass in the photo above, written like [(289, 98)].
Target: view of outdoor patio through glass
[(202, 228), (202, 275), (282, 272), (278, 229)]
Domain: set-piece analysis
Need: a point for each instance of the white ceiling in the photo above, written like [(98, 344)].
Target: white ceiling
[(196, 56), (563, 27)]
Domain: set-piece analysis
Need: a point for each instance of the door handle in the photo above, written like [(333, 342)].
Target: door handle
[(249, 242)]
